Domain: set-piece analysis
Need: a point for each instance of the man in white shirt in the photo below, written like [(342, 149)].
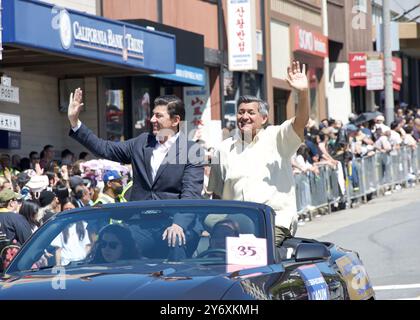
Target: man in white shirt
[(256, 164)]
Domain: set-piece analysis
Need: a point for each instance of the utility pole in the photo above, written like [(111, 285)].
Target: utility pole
[(389, 90), (327, 59)]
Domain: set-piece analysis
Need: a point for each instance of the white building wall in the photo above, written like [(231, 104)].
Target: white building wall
[(88, 6), (339, 95), (280, 49), (41, 122)]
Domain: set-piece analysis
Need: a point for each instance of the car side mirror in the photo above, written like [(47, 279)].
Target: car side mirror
[(311, 251)]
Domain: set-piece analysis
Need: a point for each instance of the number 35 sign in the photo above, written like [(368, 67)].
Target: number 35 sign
[(246, 250)]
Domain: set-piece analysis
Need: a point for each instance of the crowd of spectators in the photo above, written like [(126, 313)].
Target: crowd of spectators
[(330, 143), (35, 188)]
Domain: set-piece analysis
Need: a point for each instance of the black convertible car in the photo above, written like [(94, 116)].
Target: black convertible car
[(224, 251)]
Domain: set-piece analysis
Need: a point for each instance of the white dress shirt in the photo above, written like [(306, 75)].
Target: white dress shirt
[(77, 127), (260, 171), (159, 153)]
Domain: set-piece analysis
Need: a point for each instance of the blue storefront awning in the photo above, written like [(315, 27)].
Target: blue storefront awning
[(41, 27), (186, 74)]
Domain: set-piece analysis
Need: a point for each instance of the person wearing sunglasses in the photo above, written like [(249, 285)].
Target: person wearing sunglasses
[(115, 243)]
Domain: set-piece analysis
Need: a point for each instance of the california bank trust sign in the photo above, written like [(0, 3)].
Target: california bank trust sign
[(44, 27)]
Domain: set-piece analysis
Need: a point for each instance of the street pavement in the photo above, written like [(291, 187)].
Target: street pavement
[(386, 233)]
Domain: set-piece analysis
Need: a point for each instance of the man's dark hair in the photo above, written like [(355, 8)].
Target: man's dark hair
[(394, 124), (66, 152), (83, 155), (25, 163), (45, 149), (61, 191), (32, 154), (408, 130), (48, 146), (174, 104)]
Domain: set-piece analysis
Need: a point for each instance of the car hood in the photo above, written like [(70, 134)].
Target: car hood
[(155, 282)]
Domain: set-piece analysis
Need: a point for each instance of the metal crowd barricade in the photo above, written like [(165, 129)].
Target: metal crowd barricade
[(397, 167), (354, 179), (418, 158), (318, 186), (381, 171), (414, 169), (333, 186), (369, 174), (383, 163), (303, 193)]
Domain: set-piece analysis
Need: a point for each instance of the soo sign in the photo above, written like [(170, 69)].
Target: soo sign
[(306, 40)]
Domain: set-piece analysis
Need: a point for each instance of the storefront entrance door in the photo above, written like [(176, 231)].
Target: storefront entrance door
[(280, 105)]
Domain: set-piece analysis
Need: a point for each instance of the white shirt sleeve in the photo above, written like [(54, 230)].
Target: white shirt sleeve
[(288, 140), (58, 241), (79, 124)]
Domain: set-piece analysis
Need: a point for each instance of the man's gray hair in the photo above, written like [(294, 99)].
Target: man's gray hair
[(263, 106)]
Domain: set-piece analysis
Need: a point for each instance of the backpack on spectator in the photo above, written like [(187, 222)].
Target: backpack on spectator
[(8, 251)]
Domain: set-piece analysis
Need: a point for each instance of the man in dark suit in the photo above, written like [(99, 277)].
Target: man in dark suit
[(165, 165)]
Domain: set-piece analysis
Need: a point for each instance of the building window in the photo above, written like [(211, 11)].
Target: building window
[(145, 92), (280, 98), (362, 5), (115, 104), (251, 84), (114, 115)]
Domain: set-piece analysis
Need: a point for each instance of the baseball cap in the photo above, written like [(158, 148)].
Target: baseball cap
[(111, 175), (38, 183), (352, 128), (75, 181), (380, 118), (23, 178), (8, 194)]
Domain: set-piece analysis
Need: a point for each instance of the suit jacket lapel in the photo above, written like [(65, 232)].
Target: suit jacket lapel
[(172, 157), (148, 151)]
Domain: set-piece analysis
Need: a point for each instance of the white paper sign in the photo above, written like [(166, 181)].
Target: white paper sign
[(242, 35), (374, 74), (246, 250), (9, 94), (198, 113), (6, 81), (9, 122)]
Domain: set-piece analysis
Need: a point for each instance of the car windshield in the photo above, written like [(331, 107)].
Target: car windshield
[(134, 234)]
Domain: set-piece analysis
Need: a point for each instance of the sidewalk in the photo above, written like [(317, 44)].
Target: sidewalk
[(327, 224)]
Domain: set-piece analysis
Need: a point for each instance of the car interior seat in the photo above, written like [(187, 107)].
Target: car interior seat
[(246, 226)]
